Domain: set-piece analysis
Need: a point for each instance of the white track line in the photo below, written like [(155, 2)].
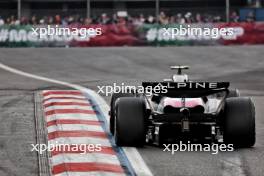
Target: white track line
[(132, 154), (80, 141), (66, 100), (68, 107), (84, 158), (64, 95), (71, 117), (72, 127)]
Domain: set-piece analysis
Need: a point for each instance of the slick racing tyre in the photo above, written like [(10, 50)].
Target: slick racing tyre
[(130, 123), (114, 97), (233, 93), (239, 122)]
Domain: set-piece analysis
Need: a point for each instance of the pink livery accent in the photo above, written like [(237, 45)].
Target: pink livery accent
[(178, 103)]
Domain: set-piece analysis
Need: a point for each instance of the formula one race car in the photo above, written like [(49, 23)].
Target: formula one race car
[(182, 109)]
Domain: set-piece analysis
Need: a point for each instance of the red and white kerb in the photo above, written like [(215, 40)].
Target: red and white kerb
[(72, 120)]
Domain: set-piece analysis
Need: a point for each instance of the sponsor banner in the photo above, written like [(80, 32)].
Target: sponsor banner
[(246, 33), (129, 35), (24, 36), (242, 33)]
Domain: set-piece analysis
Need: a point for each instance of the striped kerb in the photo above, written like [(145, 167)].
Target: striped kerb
[(72, 121)]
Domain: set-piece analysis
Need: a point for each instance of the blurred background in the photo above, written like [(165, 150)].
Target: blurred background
[(137, 22)]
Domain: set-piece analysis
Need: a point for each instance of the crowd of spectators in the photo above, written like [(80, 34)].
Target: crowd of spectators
[(141, 19)]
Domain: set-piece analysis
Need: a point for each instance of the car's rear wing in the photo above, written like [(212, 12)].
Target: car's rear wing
[(185, 89)]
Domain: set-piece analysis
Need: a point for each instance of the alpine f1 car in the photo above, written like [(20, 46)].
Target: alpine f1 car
[(182, 109)]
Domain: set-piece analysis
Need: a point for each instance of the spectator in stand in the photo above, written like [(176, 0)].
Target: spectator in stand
[(150, 20), (121, 20), (16, 21), (70, 19), (75, 21), (24, 21), (64, 21), (41, 21), (104, 19), (81, 20), (217, 19), (57, 20), (114, 19), (163, 19), (138, 21), (180, 19), (234, 17), (2, 22), (198, 18), (142, 18), (208, 18), (188, 17), (12, 20), (33, 20), (88, 21), (172, 20), (50, 20)]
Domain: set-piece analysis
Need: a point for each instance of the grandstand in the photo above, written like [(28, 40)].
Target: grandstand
[(133, 7), (130, 22)]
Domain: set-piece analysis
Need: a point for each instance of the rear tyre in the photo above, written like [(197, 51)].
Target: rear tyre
[(233, 93), (114, 97), (130, 123), (239, 122)]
